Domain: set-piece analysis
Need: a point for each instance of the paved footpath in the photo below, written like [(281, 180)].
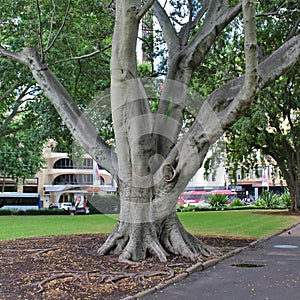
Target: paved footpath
[(269, 270)]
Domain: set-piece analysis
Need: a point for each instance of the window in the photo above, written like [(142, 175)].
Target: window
[(64, 163), (72, 179)]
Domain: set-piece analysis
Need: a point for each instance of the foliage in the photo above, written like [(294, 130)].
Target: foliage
[(218, 200), (75, 44), (259, 203), (285, 199), (237, 203), (269, 200), (20, 155)]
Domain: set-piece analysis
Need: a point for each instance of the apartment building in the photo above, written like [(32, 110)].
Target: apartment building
[(62, 180)]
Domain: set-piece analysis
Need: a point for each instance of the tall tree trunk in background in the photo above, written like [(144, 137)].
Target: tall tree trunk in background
[(4, 178)]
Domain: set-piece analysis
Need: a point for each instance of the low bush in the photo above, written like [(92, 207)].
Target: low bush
[(268, 200), (33, 212), (285, 200), (218, 200), (6, 212), (236, 203), (192, 208)]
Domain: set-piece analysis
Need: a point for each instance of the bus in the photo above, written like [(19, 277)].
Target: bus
[(199, 198), (196, 198), (20, 201)]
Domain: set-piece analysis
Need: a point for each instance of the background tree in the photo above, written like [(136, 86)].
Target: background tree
[(272, 127), (73, 29), (272, 122), (20, 156), (154, 160)]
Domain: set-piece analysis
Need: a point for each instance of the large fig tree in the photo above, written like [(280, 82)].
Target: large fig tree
[(154, 159)]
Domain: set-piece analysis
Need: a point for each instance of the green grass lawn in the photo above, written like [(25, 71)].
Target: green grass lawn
[(238, 223), (216, 223), (28, 226)]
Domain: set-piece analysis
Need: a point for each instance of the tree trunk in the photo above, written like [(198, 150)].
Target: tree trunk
[(148, 223), (147, 226), (4, 179), (294, 188)]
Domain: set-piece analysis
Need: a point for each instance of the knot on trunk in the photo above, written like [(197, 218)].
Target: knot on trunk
[(169, 173)]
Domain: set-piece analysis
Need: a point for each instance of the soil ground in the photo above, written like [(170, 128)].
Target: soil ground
[(68, 267)]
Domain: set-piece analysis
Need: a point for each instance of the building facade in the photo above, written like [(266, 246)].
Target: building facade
[(62, 180)]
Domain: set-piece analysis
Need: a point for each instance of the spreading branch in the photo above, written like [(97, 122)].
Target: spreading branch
[(224, 106), (85, 56), (145, 9), (50, 45), (40, 31), (75, 120)]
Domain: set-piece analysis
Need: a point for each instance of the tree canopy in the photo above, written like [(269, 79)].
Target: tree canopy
[(271, 124), (67, 33), (271, 127)]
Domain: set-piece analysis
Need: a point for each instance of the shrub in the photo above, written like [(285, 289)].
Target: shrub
[(179, 208), (33, 212), (259, 203), (6, 212), (270, 199), (285, 200), (218, 200), (237, 203)]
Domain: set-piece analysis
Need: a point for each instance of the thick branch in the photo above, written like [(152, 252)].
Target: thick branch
[(222, 108), (76, 121), (167, 28), (182, 65), (219, 15), (184, 34), (249, 88), (145, 9), (14, 56)]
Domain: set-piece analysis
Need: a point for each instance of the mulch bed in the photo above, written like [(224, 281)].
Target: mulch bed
[(68, 267)]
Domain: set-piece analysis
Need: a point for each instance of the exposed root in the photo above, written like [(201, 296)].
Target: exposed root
[(134, 242), (32, 251), (129, 262), (110, 277), (178, 241), (53, 277), (156, 248)]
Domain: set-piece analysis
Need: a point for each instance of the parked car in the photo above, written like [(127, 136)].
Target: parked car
[(65, 205), (54, 205)]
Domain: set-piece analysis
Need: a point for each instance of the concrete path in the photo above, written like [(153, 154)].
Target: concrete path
[(268, 271)]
